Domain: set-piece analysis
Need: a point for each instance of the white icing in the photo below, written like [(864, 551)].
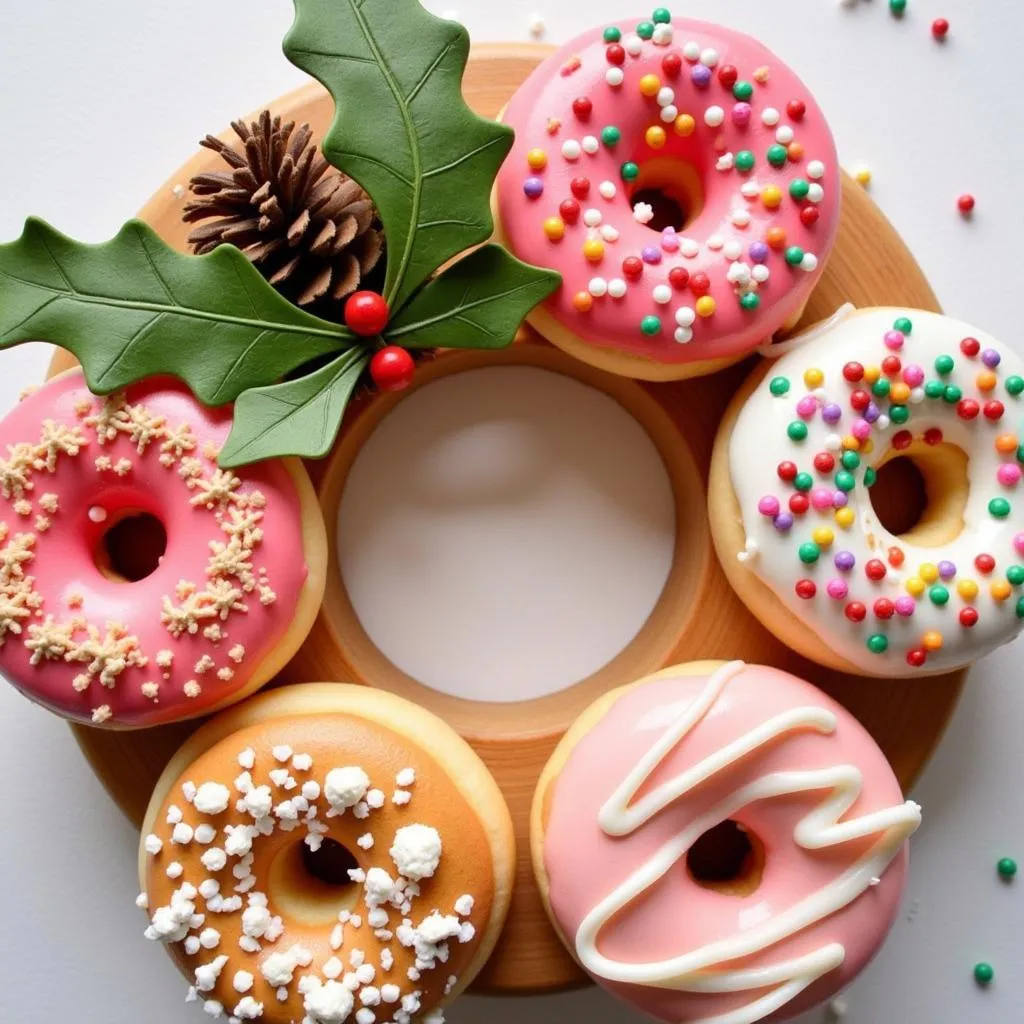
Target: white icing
[(701, 970)]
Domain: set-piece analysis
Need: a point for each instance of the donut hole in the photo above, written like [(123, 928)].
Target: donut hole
[(313, 886), (728, 858), (131, 546), (673, 190), (920, 493)]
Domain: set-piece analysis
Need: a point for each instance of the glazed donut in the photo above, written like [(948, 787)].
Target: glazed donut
[(683, 182), (791, 507), (225, 876), (224, 606), (631, 823)]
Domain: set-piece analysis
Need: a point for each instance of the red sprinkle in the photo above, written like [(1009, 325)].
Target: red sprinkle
[(569, 211), (672, 64), (580, 187), (855, 611), (824, 462), (970, 347), (582, 107), (853, 372), (896, 557), (700, 284), (786, 470), (796, 109), (809, 216), (860, 400), (891, 365), (993, 410), (902, 439), (615, 54), (984, 564), (968, 617), (884, 608), (933, 436), (875, 569), (916, 657), (633, 267), (679, 277), (940, 28), (799, 503), (967, 408), (728, 75), (806, 589), (965, 204)]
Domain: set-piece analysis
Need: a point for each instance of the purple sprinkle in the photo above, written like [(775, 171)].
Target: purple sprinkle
[(991, 358), (872, 412), (832, 413), (533, 187), (947, 570), (783, 521), (669, 240), (844, 561), (651, 255), (840, 499), (701, 76), (758, 251)]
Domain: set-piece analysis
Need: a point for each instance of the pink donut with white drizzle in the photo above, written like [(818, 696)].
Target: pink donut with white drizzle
[(96, 622), (721, 844), (683, 182)]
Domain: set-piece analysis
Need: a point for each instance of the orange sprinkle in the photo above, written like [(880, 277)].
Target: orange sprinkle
[(871, 374), (899, 392), (582, 301), (795, 152), (999, 589), (776, 238), (1006, 443), (932, 640), (986, 380)]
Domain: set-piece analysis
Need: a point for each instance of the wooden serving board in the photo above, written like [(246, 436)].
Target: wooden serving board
[(698, 616)]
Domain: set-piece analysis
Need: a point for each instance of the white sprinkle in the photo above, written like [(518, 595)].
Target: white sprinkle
[(536, 26), (725, 162), (662, 34), (714, 116), (683, 335), (142, 901), (784, 135), (669, 113), (571, 149), (609, 234), (715, 242), (709, 57), (750, 190), (365, 841), (209, 938), (178, 191), (205, 834), (685, 316), (592, 217), (770, 117), (590, 144), (345, 787), (691, 51), (212, 798), (662, 294), (809, 263), (760, 273), (390, 993), (464, 905), (597, 287), (243, 981), (302, 762), (741, 218), (732, 250), (633, 45), (666, 95), (282, 753), (247, 758), (815, 169), (614, 77), (617, 288), (97, 514), (182, 834), (689, 247), (607, 189), (815, 193), (153, 844), (175, 870), (416, 851)]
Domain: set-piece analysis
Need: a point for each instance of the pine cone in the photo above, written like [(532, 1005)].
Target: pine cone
[(310, 230)]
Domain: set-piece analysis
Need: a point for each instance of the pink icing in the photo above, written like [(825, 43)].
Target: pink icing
[(68, 586), (584, 864), (546, 101)]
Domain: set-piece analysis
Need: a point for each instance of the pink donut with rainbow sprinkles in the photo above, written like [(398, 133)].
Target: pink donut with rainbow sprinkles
[(683, 182)]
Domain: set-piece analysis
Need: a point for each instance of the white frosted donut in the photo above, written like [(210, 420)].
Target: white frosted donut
[(791, 506)]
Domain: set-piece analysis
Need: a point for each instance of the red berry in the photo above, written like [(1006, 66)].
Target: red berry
[(896, 557), (940, 28), (615, 54), (984, 564), (933, 436), (582, 107), (860, 400), (679, 277), (366, 313), (809, 216), (891, 365), (967, 408), (633, 267), (875, 569), (993, 410), (853, 372), (728, 75), (806, 589), (965, 204), (883, 608), (916, 657), (855, 611), (671, 64), (580, 187), (902, 439), (700, 284), (799, 503), (824, 462), (970, 347), (796, 109), (786, 470), (392, 368), (968, 617)]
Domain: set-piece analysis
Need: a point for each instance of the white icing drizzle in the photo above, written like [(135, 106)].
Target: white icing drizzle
[(823, 827)]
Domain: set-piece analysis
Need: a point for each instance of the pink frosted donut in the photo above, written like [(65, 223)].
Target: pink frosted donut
[(95, 622), (721, 843), (683, 182)]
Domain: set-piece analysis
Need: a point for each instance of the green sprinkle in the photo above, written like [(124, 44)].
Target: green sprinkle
[(794, 255), (612, 34), (899, 414), (850, 460), (934, 388), (779, 386), (878, 643), (898, 7), (939, 595), (629, 171), (611, 135), (745, 161), (903, 325), (750, 300), (1020, 453), (743, 91), (1020, 608), (952, 394), (797, 431), (645, 29), (999, 507), (845, 481), (943, 365), (809, 552), (881, 387), (803, 481), (650, 325), (983, 972), (662, 16), (798, 188), (870, 476), (1015, 575), (777, 155), (1007, 868), (1014, 385)]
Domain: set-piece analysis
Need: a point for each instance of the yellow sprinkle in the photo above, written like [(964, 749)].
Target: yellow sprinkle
[(932, 640), (928, 571), (771, 196), (823, 536), (899, 392), (871, 374), (814, 378), (986, 380), (915, 586), (537, 159), (850, 443), (554, 228), (705, 306), (1000, 589), (650, 84), (684, 125), (655, 136), (863, 176), (593, 250), (844, 517), (868, 446), (967, 589)]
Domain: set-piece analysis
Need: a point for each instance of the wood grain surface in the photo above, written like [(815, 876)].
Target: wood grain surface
[(698, 615)]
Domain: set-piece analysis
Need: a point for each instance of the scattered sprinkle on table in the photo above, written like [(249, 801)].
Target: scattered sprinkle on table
[(898, 7), (965, 204), (940, 29), (863, 176), (984, 973), (1007, 868), (537, 26)]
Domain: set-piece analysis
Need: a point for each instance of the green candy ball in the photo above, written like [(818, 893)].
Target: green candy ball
[(870, 476), (779, 386), (750, 300), (797, 431), (662, 16), (850, 460), (939, 595), (650, 325), (1015, 575), (743, 91), (999, 507), (803, 481), (1014, 385), (809, 553), (934, 388), (612, 34), (984, 973), (878, 643), (881, 387), (952, 394), (745, 161), (845, 481), (897, 6), (1020, 608), (794, 255), (1007, 868), (611, 135), (798, 188), (777, 155), (944, 365), (629, 171), (645, 29), (899, 414), (903, 325)]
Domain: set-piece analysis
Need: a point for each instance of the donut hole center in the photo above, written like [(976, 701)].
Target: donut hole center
[(131, 546), (673, 190), (314, 886), (921, 492), (728, 858)]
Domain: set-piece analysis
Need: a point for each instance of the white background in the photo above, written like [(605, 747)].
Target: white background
[(100, 101)]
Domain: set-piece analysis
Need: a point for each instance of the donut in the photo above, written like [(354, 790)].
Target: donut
[(802, 462), (722, 843), (683, 182), (411, 823), (139, 583)]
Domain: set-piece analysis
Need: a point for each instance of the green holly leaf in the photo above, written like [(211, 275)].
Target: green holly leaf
[(133, 307), (402, 128), (298, 417), (478, 302)]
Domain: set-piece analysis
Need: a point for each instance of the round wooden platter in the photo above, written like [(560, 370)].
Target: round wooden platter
[(697, 617)]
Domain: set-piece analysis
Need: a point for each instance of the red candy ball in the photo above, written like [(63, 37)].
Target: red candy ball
[(984, 564), (569, 211), (366, 313), (993, 410), (853, 372), (633, 267), (902, 439), (933, 436), (615, 54), (967, 408), (679, 277), (787, 471), (700, 284), (970, 347), (809, 216), (796, 109), (582, 107), (671, 64), (580, 187), (917, 657), (891, 365), (965, 204), (968, 617), (883, 608), (392, 368), (855, 611), (896, 557), (940, 28), (728, 75), (806, 589), (799, 504), (875, 569), (824, 462), (860, 400)]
